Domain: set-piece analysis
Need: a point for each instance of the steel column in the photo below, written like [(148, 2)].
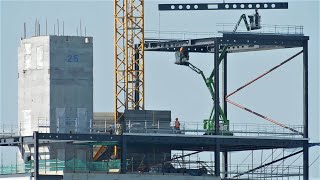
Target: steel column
[(305, 112), (225, 110), (225, 84), (216, 86), (216, 107), (35, 155), (136, 79), (123, 156)]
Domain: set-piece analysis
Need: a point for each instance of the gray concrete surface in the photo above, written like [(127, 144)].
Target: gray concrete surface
[(55, 90), (55, 84)]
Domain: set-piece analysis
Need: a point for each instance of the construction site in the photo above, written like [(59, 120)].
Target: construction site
[(60, 135)]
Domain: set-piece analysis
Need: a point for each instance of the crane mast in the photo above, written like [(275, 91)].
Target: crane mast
[(128, 58)]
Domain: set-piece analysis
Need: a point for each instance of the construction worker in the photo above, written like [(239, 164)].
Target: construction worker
[(256, 19), (181, 54), (177, 124)]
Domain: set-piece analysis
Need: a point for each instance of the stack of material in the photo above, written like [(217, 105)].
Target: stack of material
[(147, 121), (103, 121)]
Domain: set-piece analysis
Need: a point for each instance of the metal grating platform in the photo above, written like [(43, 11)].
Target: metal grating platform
[(237, 42)]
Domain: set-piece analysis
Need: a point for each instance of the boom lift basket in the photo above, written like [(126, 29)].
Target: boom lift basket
[(182, 58), (255, 21)]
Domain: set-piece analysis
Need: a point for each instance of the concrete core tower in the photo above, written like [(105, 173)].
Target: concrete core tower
[(55, 87)]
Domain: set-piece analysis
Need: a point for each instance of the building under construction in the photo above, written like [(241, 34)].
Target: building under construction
[(60, 137)]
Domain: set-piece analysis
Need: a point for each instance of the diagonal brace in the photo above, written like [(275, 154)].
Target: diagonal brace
[(264, 74), (263, 117), (264, 165)]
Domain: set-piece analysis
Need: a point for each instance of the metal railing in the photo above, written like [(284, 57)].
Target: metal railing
[(161, 127), (189, 165), (265, 29), (176, 35), (273, 172)]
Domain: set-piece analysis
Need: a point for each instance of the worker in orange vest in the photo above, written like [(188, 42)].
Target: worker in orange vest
[(177, 124), (181, 54)]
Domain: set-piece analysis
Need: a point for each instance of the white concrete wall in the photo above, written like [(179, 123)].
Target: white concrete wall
[(96, 176), (33, 84)]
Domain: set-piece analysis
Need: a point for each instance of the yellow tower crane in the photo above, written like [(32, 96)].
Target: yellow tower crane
[(128, 58)]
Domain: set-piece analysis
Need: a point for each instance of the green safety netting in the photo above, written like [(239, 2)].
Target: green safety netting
[(54, 165)]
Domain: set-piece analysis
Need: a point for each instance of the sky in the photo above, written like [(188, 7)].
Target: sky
[(171, 87)]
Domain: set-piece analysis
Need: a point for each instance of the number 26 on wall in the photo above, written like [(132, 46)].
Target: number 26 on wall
[(72, 58)]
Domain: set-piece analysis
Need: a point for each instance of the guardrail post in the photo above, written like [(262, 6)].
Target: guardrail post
[(90, 125), (129, 126), (145, 125)]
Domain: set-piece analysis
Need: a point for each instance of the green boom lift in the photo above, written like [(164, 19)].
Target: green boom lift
[(182, 58)]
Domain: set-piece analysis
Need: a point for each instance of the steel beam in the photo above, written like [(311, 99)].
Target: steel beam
[(80, 137), (237, 42), (174, 141), (216, 86), (217, 160), (222, 6), (36, 155), (225, 84), (305, 112), (224, 107), (216, 107), (263, 39)]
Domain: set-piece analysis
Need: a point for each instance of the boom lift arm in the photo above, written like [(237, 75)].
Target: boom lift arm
[(183, 59), (210, 84), (224, 50)]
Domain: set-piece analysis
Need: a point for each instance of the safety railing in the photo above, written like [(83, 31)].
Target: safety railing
[(164, 127), (197, 128), (163, 163), (242, 171), (176, 35), (247, 129), (265, 29)]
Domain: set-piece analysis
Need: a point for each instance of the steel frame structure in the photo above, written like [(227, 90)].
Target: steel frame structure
[(126, 141), (216, 143), (240, 42), (128, 56)]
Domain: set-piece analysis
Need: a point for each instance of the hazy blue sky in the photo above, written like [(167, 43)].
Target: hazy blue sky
[(167, 86)]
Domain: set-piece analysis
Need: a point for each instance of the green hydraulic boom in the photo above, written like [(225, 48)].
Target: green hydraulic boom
[(182, 58)]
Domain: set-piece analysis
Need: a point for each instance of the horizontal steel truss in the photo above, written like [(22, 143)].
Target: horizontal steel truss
[(244, 42), (182, 142)]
